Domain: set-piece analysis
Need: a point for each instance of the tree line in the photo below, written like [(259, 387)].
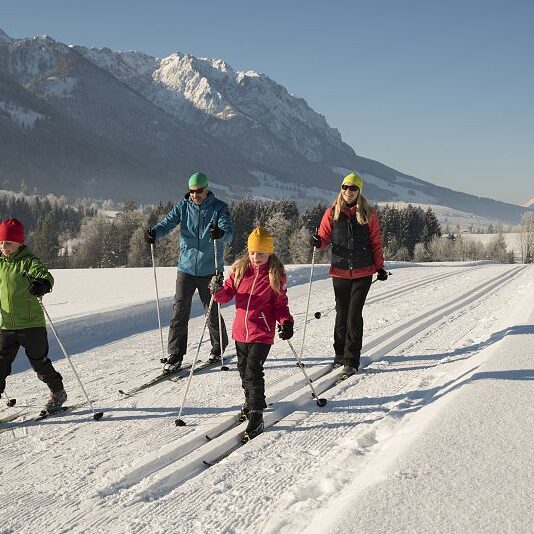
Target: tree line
[(49, 222), (67, 237)]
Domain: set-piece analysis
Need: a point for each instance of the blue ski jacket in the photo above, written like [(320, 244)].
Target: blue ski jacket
[(196, 246)]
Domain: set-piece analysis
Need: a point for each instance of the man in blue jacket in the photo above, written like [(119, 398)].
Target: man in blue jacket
[(202, 219)]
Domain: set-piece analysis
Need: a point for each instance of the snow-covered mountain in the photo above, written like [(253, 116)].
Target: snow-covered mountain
[(228, 102), (529, 203), (159, 119)]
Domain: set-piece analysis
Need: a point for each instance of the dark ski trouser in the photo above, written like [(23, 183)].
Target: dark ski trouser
[(350, 296), (250, 360), (35, 342), (186, 285)]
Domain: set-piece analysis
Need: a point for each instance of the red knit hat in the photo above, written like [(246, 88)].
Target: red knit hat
[(12, 230)]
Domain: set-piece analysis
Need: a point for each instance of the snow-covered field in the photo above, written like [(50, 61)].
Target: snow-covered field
[(435, 434)]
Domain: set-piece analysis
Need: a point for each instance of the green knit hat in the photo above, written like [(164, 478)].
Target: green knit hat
[(198, 179)]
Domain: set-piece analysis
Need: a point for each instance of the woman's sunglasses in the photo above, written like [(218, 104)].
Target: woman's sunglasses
[(350, 187)]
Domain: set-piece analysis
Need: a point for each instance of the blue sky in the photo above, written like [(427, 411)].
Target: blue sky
[(440, 90)]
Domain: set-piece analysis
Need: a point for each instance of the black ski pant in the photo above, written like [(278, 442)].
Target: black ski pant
[(348, 332), (250, 360), (35, 342), (186, 285)]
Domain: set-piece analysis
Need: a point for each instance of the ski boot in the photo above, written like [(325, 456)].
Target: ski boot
[(173, 363), (338, 361), (348, 370), (55, 402), (243, 414), (254, 427), (214, 358)]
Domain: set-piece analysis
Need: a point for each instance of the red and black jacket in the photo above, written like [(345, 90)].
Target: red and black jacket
[(356, 248)]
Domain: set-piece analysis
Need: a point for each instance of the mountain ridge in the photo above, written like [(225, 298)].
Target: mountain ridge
[(164, 118)]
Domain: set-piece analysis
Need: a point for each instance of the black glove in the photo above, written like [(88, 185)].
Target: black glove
[(150, 236), (315, 241), (216, 282), (215, 231), (39, 287), (286, 330), (381, 274)]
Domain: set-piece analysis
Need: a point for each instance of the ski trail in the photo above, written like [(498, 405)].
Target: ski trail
[(172, 475), (133, 429)]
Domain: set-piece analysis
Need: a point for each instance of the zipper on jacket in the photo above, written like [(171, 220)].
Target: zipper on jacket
[(10, 306), (248, 303), (262, 315), (198, 242)]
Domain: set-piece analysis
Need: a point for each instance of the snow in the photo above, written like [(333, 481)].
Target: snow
[(24, 117), (447, 216), (404, 188), (433, 435), (59, 86)]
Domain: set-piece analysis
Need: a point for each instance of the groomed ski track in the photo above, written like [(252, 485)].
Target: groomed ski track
[(135, 471)]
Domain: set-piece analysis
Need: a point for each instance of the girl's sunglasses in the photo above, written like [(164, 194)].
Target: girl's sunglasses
[(350, 187)]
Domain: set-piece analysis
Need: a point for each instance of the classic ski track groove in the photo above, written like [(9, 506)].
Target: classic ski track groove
[(170, 475), (386, 294)]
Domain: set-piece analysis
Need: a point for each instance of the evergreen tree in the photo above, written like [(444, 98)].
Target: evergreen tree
[(43, 241)]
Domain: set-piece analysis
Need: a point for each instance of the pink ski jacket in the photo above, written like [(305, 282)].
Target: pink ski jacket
[(258, 306)]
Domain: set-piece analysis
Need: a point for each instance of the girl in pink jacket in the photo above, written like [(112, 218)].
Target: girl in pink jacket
[(258, 283)]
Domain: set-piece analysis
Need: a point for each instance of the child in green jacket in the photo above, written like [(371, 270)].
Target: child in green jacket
[(24, 279)]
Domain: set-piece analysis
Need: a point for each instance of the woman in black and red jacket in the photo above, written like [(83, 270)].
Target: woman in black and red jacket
[(352, 227)]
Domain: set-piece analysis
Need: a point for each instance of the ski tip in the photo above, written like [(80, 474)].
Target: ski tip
[(98, 415), (11, 402), (207, 464), (179, 422), (208, 438), (122, 392)]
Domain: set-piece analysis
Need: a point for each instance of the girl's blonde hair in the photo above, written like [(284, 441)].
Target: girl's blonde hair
[(363, 208), (276, 271)]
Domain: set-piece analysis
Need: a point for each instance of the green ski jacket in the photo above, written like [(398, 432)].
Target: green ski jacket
[(20, 309)]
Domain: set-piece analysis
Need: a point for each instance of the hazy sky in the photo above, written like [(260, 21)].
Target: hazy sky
[(440, 90)]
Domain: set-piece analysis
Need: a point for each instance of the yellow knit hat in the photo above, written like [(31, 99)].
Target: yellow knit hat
[(353, 179), (260, 240)]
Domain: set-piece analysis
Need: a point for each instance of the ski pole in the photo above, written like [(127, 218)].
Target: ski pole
[(307, 305), (223, 367), (320, 402), (96, 415), (163, 359), (10, 402), (178, 421)]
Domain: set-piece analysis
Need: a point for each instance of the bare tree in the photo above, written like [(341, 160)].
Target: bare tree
[(526, 238)]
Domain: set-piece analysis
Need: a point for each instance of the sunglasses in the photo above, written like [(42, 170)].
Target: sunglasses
[(350, 187), (197, 191)]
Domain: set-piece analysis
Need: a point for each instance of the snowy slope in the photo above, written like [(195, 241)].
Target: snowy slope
[(428, 330)]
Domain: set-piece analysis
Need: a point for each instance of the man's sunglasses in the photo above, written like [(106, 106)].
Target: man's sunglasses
[(197, 191), (350, 187)]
